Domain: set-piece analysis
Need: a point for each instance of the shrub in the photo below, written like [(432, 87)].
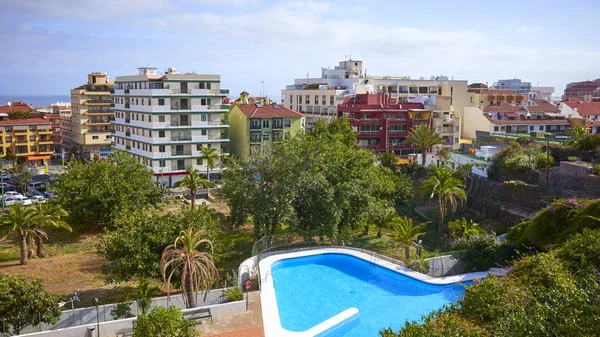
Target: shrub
[(596, 169), (418, 265), (234, 294), (164, 322), (482, 252), (122, 310), (572, 158)]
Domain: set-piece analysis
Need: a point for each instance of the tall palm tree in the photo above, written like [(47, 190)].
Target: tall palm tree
[(48, 215), (196, 268), (386, 221), (449, 190), (19, 219), (423, 138), (463, 228), (193, 181), (404, 232), (211, 156)]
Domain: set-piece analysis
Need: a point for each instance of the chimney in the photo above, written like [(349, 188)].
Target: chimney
[(8, 103)]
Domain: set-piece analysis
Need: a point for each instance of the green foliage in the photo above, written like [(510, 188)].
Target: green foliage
[(557, 222), (578, 132), (97, 192), (596, 169), (516, 158), (482, 252), (19, 114), (122, 310), (423, 138), (548, 294), (419, 265), (192, 181), (163, 322), (444, 184), (462, 228), (572, 158), (134, 248), (21, 220), (318, 183), (404, 232), (234, 294), (24, 303), (10, 154), (587, 142), (144, 297)]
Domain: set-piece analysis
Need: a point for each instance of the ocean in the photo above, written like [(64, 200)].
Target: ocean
[(41, 101)]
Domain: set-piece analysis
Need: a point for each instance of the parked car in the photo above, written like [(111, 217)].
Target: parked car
[(23, 201), (38, 199), (50, 195), (8, 201), (37, 185), (33, 193), (4, 176), (7, 187), (12, 194)]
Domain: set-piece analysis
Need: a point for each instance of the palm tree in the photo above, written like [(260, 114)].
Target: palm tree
[(388, 219), (48, 215), (196, 268), (404, 232), (449, 190), (423, 138), (193, 181), (211, 156), (19, 219), (463, 228)]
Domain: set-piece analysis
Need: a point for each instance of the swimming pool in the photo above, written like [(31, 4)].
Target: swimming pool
[(344, 293)]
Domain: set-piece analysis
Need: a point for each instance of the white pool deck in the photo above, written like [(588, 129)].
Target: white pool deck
[(270, 312)]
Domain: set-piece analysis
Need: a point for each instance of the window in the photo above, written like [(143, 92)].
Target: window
[(203, 132), (307, 99), (8, 139), (423, 90), (149, 118), (209, 117), (149, 101), (161, 133), (142, 118), (32, 138), (456, 128), (161, 163), (161, 101), (531, 128), (94, 137), (265, 123), (439, 129), (32, 128), (203, 117), (287, 123), (495, 128), (331, 100), (254, 124), (413, 90), (266, 136), (203, 101), (208, 85), (291, 100), (33, 148), (161, 148), (56, 130), (541, 127), (316, 99)]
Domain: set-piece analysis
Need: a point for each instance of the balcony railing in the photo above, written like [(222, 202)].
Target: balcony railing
[(128, 134), (127, 120), (127, 105), (180, 91), (224, 122), (177, 107), (21, 141), (181, 138), (178, 168), (181, 153), (277, 126), (224, 150), (224, 136), (128, 147), (102, 101), (255, 127), (127, 90), (180, 123), (99, 112)]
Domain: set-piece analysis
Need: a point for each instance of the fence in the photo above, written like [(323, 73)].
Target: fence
[(88, 315)]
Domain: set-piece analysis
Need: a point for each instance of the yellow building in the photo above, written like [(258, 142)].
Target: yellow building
[(480, 96), (29, 139), (89, 130)]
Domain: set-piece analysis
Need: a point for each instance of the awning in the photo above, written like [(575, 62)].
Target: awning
[(38, 157), (511, 114), (465, 141), (552, 114), (104, 153)]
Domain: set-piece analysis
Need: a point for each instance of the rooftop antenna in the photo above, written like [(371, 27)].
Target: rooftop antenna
[(350, 57), (263, 88)]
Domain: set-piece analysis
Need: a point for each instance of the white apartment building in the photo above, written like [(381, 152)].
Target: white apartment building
[(515, 85), (544, 93), (319, 97), (164, 120)]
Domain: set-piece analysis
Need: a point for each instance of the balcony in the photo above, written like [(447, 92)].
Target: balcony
[(180, 123), (224, 122), (127, 90), (184, 138), (278, 126), (99, 121), (181, 153), (255, 127), (224, 91), (224, 150), (99, 101), (107, 130), (21, 141), (127, 105), (127, 120), (224, 136), (99, 112), (21, 131), (128, 134), (180, 108), (179, 92), (128, 147), (44, 132), (178, 168), (45, 140)]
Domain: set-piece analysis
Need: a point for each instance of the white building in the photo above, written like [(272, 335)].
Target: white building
[(515, 85), (544, 93), (319, 97), (164, 120)]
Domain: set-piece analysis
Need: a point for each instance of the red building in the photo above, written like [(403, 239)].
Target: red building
[(580, 89), (382, 125)]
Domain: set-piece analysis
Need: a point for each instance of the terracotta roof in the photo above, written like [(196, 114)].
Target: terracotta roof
[(529, 121), (267, 111), (503, 108), (477, 86), (586, 109), (542, 106), (499, 92), (25, 121), (15, 106)]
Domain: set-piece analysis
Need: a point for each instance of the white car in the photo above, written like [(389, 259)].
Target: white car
[(9, 201), (23, 201), (38, 199), (12, 194)]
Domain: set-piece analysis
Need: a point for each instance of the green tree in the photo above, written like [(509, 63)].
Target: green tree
[(48, 215), (97, 192), (164, 322), (405, 233), (19, 114), (578, 132), (443, 184), (20, 220), (197, 268), (122, 310), (135, 246), (10, 155), (144, 297), (462, 228), (212, 157), (192, 181), (423, 138), (24, 303)]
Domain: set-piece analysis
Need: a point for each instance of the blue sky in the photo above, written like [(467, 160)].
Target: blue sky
[(48, 46)]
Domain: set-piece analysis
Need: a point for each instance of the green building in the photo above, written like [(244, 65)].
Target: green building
[(252, 125)]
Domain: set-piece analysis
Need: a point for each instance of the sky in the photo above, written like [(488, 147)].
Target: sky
[(49, 46)]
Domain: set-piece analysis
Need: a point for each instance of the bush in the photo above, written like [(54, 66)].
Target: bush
[(482, 252), (122, 310), (234, 294), (163, 322), (572, 158), (596, 169), (418, 265), (517, 158)]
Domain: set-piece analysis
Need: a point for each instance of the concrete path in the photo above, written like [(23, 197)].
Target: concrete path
[(248, 324)]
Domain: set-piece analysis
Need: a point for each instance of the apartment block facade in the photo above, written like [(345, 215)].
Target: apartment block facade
[(515, 84), (382, 125), (60, 112), (164, 120), (87, 134), (29, 139), (252, 125)]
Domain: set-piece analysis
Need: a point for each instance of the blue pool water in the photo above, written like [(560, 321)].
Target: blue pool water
[(312, 289)]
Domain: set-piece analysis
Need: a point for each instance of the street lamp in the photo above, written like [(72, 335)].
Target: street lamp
[(72, 300)]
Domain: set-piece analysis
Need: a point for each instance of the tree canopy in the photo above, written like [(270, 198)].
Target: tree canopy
[(423, 138), (319, 183), (97, 192), (164, 322), (517, 158), (135, 247)]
